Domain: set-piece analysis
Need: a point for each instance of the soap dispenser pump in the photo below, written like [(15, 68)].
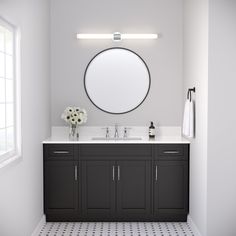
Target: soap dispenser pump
[(152, 130)]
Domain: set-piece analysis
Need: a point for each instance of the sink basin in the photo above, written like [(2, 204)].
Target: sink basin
[(117, 139)]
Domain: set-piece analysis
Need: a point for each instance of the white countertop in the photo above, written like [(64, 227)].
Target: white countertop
[(170, 135), (144, 140)]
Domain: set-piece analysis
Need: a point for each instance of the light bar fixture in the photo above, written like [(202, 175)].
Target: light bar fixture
[(117, 36)]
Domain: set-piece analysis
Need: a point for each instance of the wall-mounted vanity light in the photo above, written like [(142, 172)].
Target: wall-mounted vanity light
[(117, 36)]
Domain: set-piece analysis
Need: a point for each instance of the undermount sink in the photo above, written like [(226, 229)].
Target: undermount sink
[(117, 139)]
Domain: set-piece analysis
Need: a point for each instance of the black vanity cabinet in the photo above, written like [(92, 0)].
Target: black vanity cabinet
[(116, 182), (60, 182), (171, 182)]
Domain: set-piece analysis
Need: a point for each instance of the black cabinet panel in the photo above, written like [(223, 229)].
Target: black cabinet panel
[(60, 187), (98, 188), (174, 152), (171, 187), (59, 152), (114, 151), (133, 188)]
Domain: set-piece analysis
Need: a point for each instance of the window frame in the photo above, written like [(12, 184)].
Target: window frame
[(15, 153)]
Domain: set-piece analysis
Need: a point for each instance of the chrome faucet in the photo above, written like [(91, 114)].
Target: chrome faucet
[(116, 135)]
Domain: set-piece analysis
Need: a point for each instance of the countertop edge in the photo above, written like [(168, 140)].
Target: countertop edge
[(165, 141)]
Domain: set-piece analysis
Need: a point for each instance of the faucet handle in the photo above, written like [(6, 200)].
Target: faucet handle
[(126, 131), (107, 131)]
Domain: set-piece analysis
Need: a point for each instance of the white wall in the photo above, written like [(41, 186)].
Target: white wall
[(21, 183), (210, 32), (69, 57), (196, 75), (221, 192)]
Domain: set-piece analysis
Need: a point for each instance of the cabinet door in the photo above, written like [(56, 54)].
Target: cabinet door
[(170, 187), (133, 189), (98, 189), (61, 188)]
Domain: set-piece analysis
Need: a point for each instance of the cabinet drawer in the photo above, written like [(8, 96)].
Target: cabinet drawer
[(172, 152), (59, 151), (98, 151)]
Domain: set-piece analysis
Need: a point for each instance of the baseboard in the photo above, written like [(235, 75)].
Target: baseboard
[(39, 226), (193, 227)]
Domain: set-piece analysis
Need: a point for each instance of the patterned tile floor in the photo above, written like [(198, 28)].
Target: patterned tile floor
[(115, 229)]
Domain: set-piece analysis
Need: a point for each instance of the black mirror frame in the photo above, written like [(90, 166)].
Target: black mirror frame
[(117, 113)]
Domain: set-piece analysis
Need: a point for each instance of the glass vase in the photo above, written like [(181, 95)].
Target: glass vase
[(73, 132)]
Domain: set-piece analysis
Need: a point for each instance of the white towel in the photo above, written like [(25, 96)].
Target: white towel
[(188, 120)]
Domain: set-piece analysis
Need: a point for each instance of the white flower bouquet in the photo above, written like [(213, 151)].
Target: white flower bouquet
[(74, 116)]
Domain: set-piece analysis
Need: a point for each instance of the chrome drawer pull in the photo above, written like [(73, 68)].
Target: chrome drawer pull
[(76, 173), (118, 172), (61, 152), (113, 173), (171, 152), (156, 173)]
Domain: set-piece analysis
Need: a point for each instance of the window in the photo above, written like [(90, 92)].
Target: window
[(8, 92)]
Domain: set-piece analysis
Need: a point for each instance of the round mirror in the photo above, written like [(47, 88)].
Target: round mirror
[(117, 80)]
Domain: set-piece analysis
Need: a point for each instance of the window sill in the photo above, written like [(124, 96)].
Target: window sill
[(9, 161)]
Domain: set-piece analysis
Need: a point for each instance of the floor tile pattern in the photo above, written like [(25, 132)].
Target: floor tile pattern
[(115, 229)]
